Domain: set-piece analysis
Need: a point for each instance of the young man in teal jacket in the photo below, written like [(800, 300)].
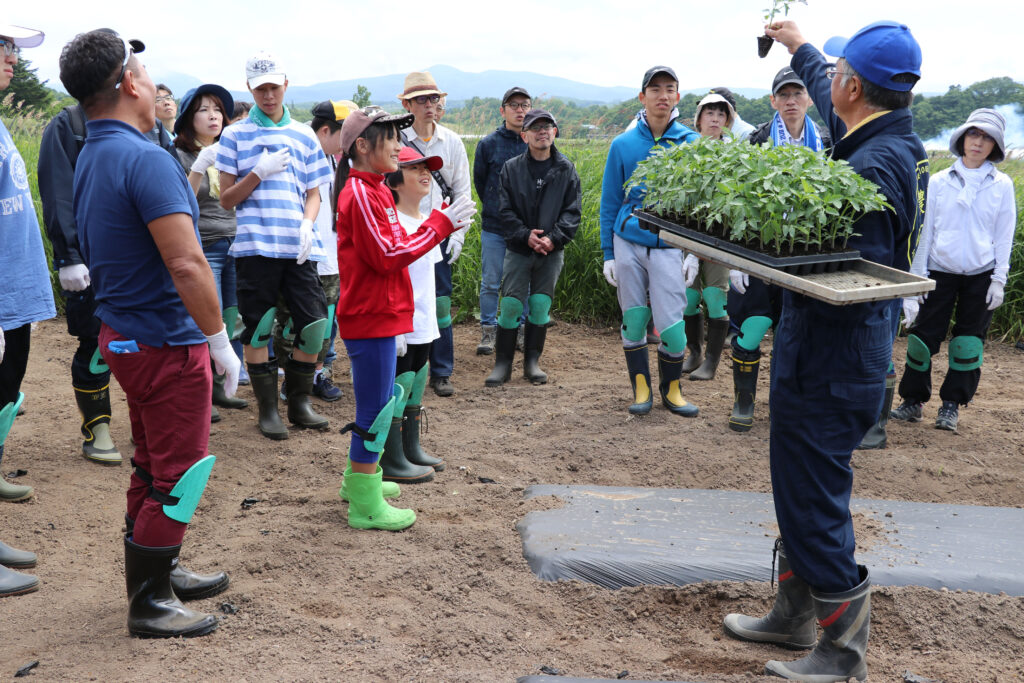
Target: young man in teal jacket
[(636, 262)]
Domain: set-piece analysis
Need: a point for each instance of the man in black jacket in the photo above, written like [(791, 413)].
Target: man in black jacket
[(539, 212)]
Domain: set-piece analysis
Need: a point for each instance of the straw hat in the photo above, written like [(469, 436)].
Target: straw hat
[(419, 83)]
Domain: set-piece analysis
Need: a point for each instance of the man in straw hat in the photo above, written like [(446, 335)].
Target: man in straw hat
[(421, 97), (829, 362)]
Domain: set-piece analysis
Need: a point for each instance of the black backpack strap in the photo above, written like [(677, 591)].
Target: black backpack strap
[(78, 129), (446, 190)]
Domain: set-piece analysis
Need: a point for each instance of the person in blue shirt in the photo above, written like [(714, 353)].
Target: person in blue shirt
[(829, 362), (636, 261), (137, 218)]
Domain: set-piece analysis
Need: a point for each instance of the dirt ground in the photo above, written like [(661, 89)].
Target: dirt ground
[(452, 599)]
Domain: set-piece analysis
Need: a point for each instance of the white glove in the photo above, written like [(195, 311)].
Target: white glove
[(305, 240), (739, 281), (205, 159), (400, 345), (461, 213), (994, 298), (74, 278), (910, 308), (3, 345), (225, 360), (609, 272), (691, 266), (455, 246), (269, 164)]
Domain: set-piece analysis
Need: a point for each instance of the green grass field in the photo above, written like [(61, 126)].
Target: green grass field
[(582, 294)]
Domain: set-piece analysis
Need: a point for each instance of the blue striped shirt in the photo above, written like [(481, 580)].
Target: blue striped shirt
[(269, 218)]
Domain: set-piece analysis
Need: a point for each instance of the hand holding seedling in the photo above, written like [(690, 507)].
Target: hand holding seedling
[(787, 33)]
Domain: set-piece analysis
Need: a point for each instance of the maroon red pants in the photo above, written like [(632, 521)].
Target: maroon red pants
[(168, 390)]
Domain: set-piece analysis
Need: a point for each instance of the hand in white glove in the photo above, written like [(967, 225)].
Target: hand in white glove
[(269, 164), (74, 278), (3, 345), (455, 246), (305, 240), (910, 308), (461, 213), (691, 266), (224, 360), (994, 298), (205, 159), (739, 281), (609, 272), (400, 345)]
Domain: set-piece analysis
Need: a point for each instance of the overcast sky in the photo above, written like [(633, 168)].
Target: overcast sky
[(594, 41)]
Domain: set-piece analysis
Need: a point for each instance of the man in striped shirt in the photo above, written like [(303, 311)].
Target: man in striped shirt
[(271, 169)]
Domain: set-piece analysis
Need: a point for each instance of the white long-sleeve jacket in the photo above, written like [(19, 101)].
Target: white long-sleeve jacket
[(967, 239)]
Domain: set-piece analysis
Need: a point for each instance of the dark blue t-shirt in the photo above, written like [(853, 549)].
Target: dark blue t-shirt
[(122, 183)]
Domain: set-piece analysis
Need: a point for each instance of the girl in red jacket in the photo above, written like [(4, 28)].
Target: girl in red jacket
[(376, 301)]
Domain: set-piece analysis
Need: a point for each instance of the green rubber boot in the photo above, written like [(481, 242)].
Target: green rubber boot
[(388, 489), (367, 508)]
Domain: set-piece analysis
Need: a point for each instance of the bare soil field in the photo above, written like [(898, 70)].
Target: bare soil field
[(452, 599)]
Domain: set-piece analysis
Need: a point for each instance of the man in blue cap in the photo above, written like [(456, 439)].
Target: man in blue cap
[(829, 363)]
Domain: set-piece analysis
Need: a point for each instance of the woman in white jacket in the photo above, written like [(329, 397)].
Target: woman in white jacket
[(965, 247)]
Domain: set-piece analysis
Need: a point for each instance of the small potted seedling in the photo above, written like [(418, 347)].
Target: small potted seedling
[(764, 43)]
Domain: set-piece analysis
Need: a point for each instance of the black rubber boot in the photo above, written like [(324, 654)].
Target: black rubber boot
[(154, 611), (840, 653), (745, 365), (221, 399), (876, 437), (717, 329), (533, 347), (669, 372), (694, 328), (94, 405), (263, 379), (639, 369), (299, 377), (790, 623), (187, 584), (394, 463), (504, 353), (414, 452)]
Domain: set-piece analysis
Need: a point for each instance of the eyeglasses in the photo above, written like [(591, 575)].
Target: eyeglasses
[(164, 98), (9, 48), (540, 128), (521, 106), (833, 71), (793, 95), (124, 64), (423, 99)]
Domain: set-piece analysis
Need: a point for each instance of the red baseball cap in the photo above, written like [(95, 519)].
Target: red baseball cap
[(409, 156)]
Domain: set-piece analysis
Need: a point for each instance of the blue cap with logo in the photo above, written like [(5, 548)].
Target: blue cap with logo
[(879, 52)]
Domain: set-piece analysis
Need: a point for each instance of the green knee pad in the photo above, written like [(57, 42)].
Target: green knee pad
[(692, 301), (330, 322), (382, 423), (230, 317), (918, 356), (444, 312), (97, 365), (540, 306), (264, 329), (752, 331), (419, 383), (311, 339), (7, 415), (965, 353), (634, 323), (189, 490), (511, 310), (406, 380), (674, 337), (716, 301)]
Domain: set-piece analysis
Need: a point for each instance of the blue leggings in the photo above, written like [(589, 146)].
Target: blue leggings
[(373, 381)]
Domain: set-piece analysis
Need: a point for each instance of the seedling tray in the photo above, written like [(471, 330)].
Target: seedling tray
[(858, 282), (801, 264)]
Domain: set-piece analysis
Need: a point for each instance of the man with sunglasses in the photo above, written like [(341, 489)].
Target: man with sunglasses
[(160, 323), (421, 96), (491, 154), (829, 362)]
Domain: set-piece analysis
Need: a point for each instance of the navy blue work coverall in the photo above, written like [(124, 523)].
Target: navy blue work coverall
[(829, 362)]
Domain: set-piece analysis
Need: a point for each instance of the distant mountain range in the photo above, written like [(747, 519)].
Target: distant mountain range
[(460, 86)]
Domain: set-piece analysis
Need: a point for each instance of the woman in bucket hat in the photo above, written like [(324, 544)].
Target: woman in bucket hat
[(965, 247)]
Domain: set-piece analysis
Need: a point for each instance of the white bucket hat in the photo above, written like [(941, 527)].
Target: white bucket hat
[(991, 122)]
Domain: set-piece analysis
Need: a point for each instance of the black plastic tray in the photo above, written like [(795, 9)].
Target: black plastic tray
[(803, 264)]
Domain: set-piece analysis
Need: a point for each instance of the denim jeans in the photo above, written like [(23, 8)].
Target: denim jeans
[(223, 267), (492, 258)]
